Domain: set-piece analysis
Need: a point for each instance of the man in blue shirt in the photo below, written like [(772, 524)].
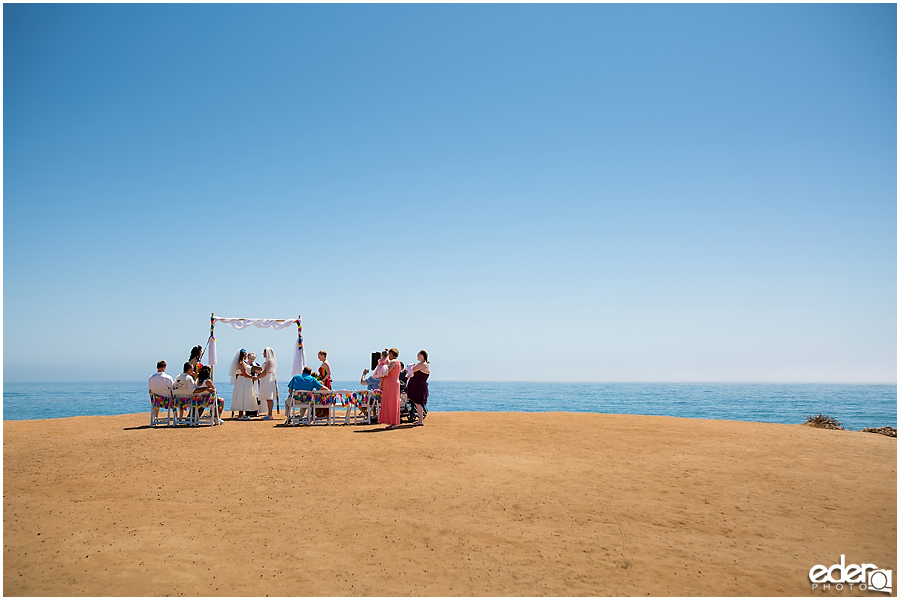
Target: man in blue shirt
[(304, 382), (371, 382)]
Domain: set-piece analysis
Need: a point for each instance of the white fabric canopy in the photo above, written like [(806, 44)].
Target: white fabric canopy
[(261, 323), (278, 324)]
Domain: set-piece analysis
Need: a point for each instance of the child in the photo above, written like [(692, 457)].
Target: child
[(381, 370)]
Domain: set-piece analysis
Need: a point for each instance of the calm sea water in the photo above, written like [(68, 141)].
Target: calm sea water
[(856, 406)]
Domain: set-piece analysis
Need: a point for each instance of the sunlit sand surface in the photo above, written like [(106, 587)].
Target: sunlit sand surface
[(497, 504)]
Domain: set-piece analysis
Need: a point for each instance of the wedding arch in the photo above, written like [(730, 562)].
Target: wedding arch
[(241, 323)]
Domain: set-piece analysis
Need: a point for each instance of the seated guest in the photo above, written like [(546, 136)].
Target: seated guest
[(184, 385), (205, 384), (371, 382), (304, 382), (160, 384), (321, 413)]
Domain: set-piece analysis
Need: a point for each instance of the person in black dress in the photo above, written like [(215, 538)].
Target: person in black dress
[(417, 385)]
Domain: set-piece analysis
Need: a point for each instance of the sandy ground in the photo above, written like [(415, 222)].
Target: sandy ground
[(472, 504)]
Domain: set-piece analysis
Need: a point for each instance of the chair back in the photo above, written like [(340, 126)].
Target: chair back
[(201, 402), (298, 399), (160, 402), (323, 400)]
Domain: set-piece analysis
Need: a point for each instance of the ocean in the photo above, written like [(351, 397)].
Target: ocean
[(856, 406)]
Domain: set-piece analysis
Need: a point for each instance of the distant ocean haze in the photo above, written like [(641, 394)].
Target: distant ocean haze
[(855, 405)]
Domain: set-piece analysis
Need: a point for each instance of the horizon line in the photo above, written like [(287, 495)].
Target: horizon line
[(555, 382)]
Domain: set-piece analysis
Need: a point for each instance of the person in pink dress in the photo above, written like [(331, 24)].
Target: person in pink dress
[(390, 392)]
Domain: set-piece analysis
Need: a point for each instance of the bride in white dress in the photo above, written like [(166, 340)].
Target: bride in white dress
[(267, 383), (243, 398)]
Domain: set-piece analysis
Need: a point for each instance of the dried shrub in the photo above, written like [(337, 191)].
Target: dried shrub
[(823, 422), (888, 431)]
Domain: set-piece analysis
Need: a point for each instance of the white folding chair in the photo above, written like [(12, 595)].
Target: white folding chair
[(199, 402), (182, 402), (161, 402), (323, 400), (298, 408), (355, 402), (345, 399), (340, 399), (374, 405)]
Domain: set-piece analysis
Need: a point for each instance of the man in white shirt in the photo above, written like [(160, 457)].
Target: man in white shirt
[(160, 384), (184, 385)]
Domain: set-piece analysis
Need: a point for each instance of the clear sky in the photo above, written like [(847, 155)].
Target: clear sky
[(529, 192)]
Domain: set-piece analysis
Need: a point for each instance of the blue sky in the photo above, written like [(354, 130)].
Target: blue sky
[(529, 192)]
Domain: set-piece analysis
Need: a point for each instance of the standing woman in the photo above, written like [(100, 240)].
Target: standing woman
[(267, 383), (390, 392), (417, 386), (196, 365), (243, 399), (324, 376), (324, 369)]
